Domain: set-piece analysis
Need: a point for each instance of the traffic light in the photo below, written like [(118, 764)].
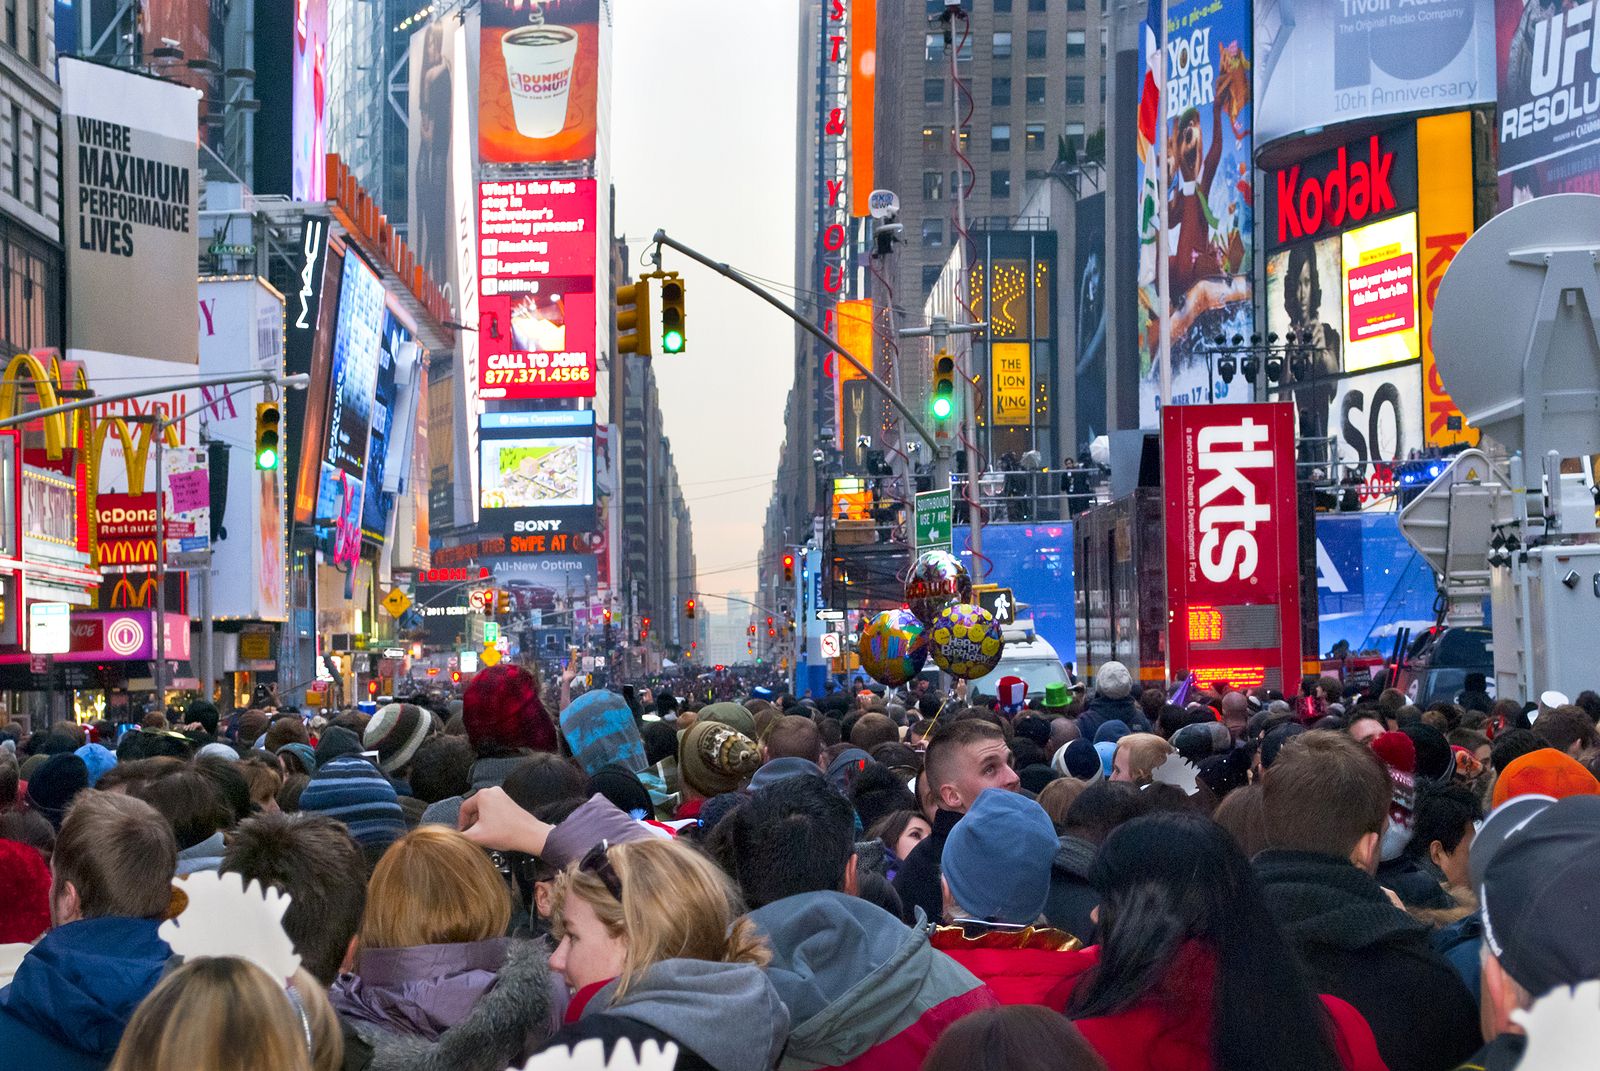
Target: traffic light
[(608, 617), (633, 318), (672, 336), (268, 419), (502, 601), (455, 676), (688, 609), (788, 568), (372, 687), (944, 386)]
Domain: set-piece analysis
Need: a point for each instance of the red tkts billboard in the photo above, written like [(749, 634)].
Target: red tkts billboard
[(536, 301), (1232, 531)]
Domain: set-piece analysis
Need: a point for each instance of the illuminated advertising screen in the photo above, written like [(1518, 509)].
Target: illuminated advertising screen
[(1380, 293), (538, 81), (537, 303), (1304, 307), (358, 328), (1210, 117), (377, 503), (536, 471), (1232, 535), (1323, 63), (1545, 61), (309, 124)]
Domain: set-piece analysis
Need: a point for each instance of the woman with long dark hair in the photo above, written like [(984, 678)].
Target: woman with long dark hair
[(1192, 973)]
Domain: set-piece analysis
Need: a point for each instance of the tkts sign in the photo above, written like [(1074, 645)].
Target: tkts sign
[(1232, 534), (1345, 187)]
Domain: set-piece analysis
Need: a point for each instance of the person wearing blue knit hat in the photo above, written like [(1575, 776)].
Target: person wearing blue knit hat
[(353, 790), (996, 876)]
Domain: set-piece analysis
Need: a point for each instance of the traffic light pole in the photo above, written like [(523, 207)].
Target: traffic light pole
[(939, 329), (810, 328)]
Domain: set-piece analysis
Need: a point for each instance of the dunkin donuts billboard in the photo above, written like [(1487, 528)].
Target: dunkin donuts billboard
[(538, 81)]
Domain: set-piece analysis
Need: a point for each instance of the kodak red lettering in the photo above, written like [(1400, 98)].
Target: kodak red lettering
[(1349, 192)]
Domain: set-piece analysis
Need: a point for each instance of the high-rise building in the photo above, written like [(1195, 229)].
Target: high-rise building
[(1029, 89), (31, 263)]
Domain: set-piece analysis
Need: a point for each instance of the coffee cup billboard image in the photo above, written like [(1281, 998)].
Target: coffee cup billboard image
[(538, 82)]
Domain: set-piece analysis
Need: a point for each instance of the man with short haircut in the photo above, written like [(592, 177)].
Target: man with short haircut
[(111, 884), (1365, 727), (862, 990), (872, 729), (1566, 728), (1536, 866), (320, 866), (963, 758), (1235, 714), (792, 737), (1326, 802)]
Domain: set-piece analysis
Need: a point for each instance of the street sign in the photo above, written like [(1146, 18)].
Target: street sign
[(999, 602), (933, 520), (411, 620), (830, 644), (396, 602), (830, 614), (490, 656), (491, 633)]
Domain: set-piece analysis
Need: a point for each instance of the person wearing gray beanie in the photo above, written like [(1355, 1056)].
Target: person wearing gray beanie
[(1113, 701)]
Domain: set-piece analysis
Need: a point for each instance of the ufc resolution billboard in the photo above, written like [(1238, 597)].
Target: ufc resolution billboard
[(1232, 532)]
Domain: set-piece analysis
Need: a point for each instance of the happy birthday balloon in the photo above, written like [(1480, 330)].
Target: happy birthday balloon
[(937, 579), (893, 647), (966, 641)]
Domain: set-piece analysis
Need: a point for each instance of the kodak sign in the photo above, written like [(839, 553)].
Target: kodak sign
[(1345, 187)]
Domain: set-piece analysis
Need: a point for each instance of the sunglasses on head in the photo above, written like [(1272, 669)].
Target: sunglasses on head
[(598, 863)]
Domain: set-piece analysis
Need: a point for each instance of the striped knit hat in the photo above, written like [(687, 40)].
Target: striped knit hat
[(352, 790), (396, 732)]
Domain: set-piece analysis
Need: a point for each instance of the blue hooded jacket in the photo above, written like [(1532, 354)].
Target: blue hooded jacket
[(75, 991)]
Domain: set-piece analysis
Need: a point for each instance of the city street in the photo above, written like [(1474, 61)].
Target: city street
[(883, 535)]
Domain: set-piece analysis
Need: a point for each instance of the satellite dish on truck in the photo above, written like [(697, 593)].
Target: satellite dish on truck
[(1515, 330), (1516, 333)]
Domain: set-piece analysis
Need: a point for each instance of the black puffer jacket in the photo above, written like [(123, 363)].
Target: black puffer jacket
[(1072, 898), (1101, 710), (1359, 947)]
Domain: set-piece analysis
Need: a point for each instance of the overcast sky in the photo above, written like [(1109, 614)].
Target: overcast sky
[(703, 111)]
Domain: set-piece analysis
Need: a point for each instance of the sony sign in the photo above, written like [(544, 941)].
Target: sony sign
[(1344, 187)]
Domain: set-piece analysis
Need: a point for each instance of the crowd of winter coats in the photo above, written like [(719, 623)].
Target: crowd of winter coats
[(1108, 879)]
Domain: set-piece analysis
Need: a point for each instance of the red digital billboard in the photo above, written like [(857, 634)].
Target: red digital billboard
[(1232, 531), (537, 305)]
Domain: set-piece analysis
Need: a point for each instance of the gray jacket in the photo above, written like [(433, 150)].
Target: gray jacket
[(511, 1020)]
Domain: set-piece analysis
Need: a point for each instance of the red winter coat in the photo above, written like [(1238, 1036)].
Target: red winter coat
[(1029, 966), (1171, 1030)]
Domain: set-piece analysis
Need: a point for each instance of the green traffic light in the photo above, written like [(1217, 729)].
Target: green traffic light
[(942, 407), (267, 459), (672, 342)]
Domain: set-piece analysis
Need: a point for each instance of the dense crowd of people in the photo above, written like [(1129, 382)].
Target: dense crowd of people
[(1097, 878)]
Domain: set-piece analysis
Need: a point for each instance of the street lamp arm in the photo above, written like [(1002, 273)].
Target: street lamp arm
[(810, 328), (295, 382)]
